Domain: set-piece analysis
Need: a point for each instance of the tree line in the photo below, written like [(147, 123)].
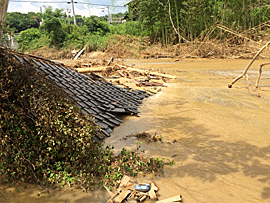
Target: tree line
[(54, 28), (172, 20), (165, 21)]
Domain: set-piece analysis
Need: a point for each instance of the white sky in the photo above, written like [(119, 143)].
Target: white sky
[(80, 9)]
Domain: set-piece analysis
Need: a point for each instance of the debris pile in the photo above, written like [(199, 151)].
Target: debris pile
[(124, 75), (130, 191)]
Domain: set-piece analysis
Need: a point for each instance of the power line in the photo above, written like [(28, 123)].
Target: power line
[(68, 2)]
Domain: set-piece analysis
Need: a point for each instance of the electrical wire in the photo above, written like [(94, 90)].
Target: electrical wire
[(68, 2)]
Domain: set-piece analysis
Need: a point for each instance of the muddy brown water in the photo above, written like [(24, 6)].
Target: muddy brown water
[(222, 135)]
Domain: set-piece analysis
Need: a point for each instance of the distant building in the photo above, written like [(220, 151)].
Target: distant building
[(133, 13)]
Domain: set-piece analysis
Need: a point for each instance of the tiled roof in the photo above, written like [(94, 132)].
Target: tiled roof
[(103, 100)]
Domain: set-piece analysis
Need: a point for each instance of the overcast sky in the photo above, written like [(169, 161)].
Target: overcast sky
[(26, 6)]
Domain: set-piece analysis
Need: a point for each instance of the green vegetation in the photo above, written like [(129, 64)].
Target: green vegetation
[(45, 139), (56, 31), (17, 22), (193, 17), (164, 21)]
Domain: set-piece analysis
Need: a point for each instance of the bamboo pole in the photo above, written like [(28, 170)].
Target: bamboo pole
[(260, 73), (180, 36), (3, 14), (248, 66)]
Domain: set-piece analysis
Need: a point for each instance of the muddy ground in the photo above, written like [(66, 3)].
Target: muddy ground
[(218, 137)]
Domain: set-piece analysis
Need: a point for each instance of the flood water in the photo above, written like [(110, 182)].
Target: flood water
[(222, 151), (218, 137)]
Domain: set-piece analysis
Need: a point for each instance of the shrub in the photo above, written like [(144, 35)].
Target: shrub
[(27, 37)]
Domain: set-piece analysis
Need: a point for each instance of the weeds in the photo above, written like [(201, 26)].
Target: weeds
[(131, 162)]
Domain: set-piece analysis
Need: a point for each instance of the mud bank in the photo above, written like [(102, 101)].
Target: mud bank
[(222, 151)]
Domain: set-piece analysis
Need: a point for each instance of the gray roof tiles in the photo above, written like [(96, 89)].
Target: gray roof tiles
[(95, 97)]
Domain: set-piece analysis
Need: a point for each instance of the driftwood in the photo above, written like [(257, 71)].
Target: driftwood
[(93, 69), (260, 73), (111, 60), (248, 66)]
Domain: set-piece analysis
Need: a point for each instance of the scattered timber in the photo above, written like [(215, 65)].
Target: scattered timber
[(124, 75), (128, 192)]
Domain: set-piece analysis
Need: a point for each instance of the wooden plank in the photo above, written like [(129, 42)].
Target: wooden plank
[(80, 52), (177, 198), (138, 70), (122, 196), (110, 200), (163, 75), (152, 191), (110, 193), (124, 181), (93, 69), (111, 60)]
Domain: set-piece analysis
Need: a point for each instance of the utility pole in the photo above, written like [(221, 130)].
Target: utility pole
[(74, 17), (109, 15), (68, 11), (3, 15)]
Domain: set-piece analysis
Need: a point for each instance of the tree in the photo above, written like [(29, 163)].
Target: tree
[(28, 36), (3, 13), (95, 25), (52, 26), (20, 21)]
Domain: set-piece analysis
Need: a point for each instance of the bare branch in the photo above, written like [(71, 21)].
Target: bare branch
[(260, 73), (248, 66)]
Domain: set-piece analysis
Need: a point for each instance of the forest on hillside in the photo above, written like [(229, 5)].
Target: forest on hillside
[(167, 22)]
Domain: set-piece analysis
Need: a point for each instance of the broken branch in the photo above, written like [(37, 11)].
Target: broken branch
[(248, 66), (260, 73)]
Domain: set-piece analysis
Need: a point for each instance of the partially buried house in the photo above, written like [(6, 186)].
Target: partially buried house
[(103, 100)]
